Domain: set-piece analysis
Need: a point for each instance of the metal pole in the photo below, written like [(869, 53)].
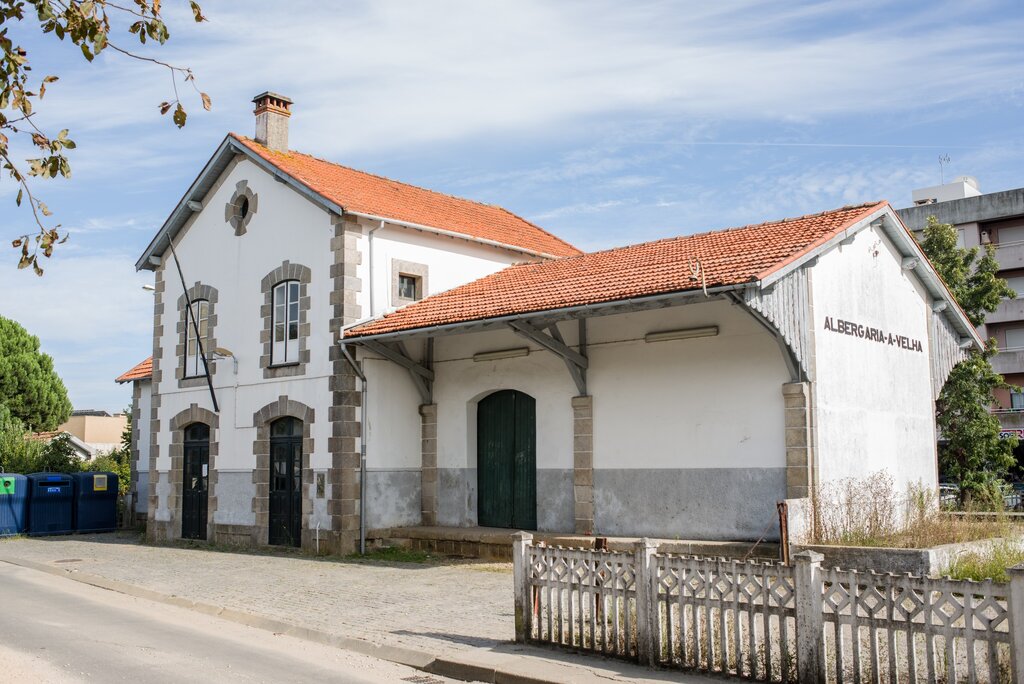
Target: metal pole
[(191, 316)]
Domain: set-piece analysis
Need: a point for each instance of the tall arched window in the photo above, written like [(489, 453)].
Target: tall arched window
[(286, 323), (193, 358)]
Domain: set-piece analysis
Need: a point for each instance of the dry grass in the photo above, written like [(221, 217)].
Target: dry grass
[(871, 512), (992, 564)]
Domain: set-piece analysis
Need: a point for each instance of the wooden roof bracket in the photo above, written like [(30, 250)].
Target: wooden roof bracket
[(422, 376), (575, 361)]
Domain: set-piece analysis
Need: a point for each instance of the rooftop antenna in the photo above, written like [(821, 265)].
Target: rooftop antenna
[(943, 160)]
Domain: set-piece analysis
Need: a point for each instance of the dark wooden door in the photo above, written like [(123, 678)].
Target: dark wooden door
[(507, 461), (195, 481), (286, 482)]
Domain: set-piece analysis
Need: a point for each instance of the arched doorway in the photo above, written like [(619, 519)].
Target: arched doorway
[(285, 482), (195, 481), (507, 461)]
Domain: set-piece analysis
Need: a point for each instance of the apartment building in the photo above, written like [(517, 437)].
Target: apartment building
[(995, 218)]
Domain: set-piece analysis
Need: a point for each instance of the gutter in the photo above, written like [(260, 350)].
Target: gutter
[(567, 312)]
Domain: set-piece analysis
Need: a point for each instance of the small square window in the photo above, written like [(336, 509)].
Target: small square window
[(1016, 401), (408, 286)]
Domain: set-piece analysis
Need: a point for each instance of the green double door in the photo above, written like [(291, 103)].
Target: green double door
[(507, 461)]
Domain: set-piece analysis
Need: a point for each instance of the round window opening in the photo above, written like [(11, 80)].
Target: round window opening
[(241, 207)]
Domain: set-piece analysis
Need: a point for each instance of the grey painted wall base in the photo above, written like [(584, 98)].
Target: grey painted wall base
[(392, 498), (142, 488), (555, 509), (235, 491), (456, 497), (696, 503)]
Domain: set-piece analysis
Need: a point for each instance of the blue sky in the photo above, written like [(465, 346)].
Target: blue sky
[(605, 122)]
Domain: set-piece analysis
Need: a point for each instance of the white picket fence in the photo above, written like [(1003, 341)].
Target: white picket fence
[(768, 621)]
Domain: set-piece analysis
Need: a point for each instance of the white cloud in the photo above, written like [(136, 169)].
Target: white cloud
[(390, 73), (91, 314)]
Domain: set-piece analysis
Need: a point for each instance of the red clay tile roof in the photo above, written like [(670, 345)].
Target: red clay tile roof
[(728, 257), (142, 371), (365, 193)]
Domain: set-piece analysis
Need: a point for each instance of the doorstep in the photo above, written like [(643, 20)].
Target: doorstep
[(494, 543)]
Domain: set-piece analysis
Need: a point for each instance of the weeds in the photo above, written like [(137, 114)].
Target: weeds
[(991, 564), (871, 512), (395, 554)]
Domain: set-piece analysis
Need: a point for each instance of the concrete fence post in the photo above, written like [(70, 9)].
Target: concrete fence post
[(1015, 607), (521, 542), (810, 622), (648, 644)]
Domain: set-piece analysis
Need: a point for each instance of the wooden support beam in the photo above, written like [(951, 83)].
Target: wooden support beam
[(422, 377), (552, 341), (398, 357)]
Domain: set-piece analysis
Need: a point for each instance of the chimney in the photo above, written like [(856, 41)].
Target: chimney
[(272, 112)]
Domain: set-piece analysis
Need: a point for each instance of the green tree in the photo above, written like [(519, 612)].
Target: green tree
[(58, 456), (974, 456), (17, 454), (93, 26), (29, 387)]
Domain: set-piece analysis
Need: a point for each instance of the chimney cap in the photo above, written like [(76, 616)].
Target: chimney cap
[(270, 94)]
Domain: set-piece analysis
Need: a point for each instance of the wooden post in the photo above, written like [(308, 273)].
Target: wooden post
[(810, 622), (1015, 607), (783, 531), (520, 578), (648, 644)]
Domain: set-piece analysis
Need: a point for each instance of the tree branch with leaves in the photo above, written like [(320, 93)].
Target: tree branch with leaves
[(973, 454), (88, 25)]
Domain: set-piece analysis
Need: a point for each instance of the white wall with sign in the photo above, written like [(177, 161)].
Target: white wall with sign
[(872, 365)]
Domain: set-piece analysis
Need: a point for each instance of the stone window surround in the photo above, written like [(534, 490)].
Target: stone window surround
[(410, 268), (286, 271), (193, 414), (196, 292), (281, 408), (240, 223)]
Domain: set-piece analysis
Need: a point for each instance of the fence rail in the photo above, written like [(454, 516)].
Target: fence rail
[(768, 621)]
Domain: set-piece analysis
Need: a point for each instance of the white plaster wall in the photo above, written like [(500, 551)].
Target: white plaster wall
[(392, 416), (702, 403), (143, 445), (713, 402), (450, 261), (462, 382), (874, 400), (285, 227)]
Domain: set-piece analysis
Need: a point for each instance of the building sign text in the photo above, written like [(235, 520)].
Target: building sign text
[(866, 332)]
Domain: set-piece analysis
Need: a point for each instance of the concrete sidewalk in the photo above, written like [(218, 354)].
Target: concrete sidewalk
[(450, 618)]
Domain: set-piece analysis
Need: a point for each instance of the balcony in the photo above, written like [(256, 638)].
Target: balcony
[(1008, 311), (1008, 362), (1010, 419), (1010, 255)]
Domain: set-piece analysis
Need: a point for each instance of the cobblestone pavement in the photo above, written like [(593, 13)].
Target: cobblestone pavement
[(437, 608)]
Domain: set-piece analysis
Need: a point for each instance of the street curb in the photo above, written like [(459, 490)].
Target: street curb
[(446, 666)]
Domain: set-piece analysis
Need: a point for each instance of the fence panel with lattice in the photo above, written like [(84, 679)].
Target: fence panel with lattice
[(584, 599), (900, 628)]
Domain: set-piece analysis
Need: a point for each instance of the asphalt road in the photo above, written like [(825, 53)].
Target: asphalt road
[(56, 630)]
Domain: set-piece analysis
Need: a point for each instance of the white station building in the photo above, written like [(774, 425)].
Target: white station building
[(383, 356)]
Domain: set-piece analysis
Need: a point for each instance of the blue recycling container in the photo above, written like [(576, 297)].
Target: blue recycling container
[(95, 502), (50, 504), (13, 504)]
